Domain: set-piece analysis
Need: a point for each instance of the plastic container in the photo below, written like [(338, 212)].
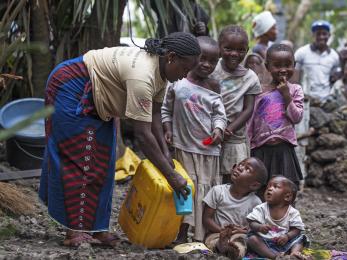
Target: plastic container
[(148, 214), (25, 149), (184, 207)]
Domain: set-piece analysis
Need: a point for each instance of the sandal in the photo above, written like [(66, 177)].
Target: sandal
[(75, 239)]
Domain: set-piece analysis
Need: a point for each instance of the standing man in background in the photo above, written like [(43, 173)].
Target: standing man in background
[(314, 64)]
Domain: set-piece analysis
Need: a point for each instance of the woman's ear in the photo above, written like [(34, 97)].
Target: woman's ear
[(171, 56)]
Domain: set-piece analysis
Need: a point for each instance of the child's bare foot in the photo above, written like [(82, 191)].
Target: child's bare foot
[(226, 247), (233, 251), (222, 244)]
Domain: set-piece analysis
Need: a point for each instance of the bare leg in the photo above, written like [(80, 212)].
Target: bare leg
[(182, 236), (225, 246), (259, 247), (296, 251), (231, 245)]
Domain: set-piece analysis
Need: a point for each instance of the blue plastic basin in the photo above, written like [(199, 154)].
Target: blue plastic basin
[(24, 150), (20, 109)]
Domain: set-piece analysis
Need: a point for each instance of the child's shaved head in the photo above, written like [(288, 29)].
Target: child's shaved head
[(276, 48), (260, 170), (290, 186)]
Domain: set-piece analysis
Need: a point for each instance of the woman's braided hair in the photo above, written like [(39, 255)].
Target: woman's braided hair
[(181, 43)]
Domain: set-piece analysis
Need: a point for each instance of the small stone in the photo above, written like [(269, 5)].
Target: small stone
[(22, 219), (85, 246), (33, 221)]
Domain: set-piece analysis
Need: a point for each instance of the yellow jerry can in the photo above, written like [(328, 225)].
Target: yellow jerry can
[(148, 214)]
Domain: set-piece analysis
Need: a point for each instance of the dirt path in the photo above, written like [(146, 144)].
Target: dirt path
[(38, 237)]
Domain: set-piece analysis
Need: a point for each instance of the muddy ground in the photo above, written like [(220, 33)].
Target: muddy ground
[(38, 237)]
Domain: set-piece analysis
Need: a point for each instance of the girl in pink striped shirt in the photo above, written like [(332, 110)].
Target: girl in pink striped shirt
[(276, 110)]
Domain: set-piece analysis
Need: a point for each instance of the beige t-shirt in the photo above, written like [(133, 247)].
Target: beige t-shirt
[(233, 90), (126, 81)]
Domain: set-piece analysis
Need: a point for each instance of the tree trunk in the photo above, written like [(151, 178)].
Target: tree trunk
[(212, 4), (302, 10), (41, 64), (94, 39)]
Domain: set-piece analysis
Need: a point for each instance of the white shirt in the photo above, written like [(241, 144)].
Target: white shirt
[(292, 218), (317, 67)]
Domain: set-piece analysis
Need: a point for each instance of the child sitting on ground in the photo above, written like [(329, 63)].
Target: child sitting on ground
[(227, 206), (194, 119), (276, 227)]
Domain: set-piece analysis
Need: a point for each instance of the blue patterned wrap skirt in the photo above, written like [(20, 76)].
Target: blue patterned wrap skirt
[(78, 170)]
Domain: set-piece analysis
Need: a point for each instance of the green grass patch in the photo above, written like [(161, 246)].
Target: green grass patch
[(7, 231)]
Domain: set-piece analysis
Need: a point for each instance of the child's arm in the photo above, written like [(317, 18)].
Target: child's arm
[(208, 220), (167, 126), (282, 240), (157, 130), (167, 113), (219, 119), (257, 227), (248, 105), (294, 104)]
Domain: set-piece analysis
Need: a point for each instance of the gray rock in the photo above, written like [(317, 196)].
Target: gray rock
[(336, 175), (331, 141), (318, 118), (33, 221), (324, 130), (326, 156), (330, 105), (312, 144), (337, 126), (315, 175)]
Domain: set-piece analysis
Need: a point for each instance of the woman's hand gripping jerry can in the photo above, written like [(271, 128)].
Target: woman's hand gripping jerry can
[(148, 214)]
